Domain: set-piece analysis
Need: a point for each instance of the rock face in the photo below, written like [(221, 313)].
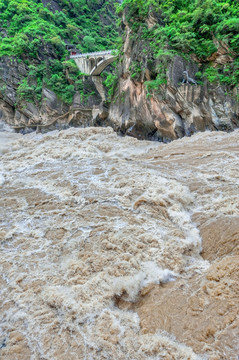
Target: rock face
[(171, 111), (51, 112), (175, 109), (11, 73)]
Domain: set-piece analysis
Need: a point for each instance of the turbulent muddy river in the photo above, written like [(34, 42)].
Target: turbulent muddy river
[(114, 248)]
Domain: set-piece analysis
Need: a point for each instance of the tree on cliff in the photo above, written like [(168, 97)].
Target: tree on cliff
[(36, 32)]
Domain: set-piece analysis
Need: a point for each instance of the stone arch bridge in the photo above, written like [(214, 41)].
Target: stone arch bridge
[(94, 63)]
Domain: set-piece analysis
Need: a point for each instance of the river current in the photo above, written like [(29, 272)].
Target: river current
[(115, 248)]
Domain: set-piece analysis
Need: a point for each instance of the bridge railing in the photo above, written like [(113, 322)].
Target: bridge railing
[(98, 53)]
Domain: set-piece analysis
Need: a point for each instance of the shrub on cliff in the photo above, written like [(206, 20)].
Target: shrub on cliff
[(38, 34), (193, 29)]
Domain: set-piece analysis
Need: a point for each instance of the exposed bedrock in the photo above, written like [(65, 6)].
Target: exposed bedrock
[(172, 110), (178, 112), (50, 112)]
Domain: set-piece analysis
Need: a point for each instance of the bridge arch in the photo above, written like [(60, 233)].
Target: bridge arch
[(98, 60), (94, 63), (101, 65)]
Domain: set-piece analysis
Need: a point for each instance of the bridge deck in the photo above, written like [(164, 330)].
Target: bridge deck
[(98, 53)]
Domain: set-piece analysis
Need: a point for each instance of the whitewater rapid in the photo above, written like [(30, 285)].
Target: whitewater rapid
[(97, 230)]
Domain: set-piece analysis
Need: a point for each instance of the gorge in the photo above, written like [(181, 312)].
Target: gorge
[(142, 94), (119, 206)]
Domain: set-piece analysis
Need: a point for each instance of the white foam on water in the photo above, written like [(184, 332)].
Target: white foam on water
[(88, 217), (2, 180), (7, 138), (130, 286)]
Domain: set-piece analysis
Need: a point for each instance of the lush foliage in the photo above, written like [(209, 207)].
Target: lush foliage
[(110, 82), (38, 34), (193, 29)]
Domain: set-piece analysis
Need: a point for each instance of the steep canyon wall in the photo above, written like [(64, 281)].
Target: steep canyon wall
[(173, 109), (50, 111)]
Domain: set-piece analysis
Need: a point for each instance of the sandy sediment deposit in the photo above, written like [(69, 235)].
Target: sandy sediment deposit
[(114, 248)]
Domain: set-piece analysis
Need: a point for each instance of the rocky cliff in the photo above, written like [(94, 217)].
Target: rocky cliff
[(169, 109), (39, 84), (50, 111), (152, 98)]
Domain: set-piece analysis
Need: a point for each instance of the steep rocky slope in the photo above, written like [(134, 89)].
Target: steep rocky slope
[(150, 100), (38, 82), (50, 111), (41, 88)]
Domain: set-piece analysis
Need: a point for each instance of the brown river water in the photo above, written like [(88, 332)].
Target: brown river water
[(119, 249)]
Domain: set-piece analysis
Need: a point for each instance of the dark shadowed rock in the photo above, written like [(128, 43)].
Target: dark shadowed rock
[(53, 5)]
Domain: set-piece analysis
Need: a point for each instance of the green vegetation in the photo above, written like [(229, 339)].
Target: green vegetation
[(110, 82), (193, 29), (38, 34)]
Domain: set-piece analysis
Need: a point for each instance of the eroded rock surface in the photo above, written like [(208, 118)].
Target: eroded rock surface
[(172, 110), (50, 112)]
